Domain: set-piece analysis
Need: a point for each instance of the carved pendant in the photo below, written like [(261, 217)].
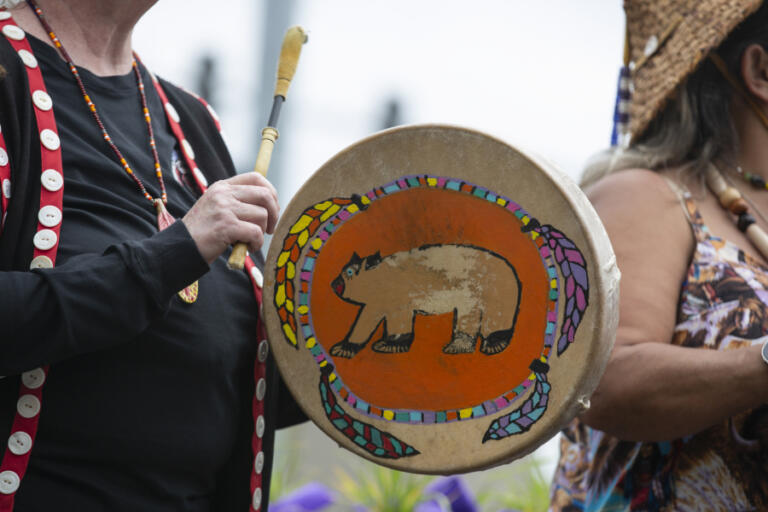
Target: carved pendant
[(189, 294), (165, 219)]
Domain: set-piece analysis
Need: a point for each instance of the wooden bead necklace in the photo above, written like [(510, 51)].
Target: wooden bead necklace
[(732, 200), (164, 218)]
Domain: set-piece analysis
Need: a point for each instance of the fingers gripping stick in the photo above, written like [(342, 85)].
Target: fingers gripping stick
[(294, 39)]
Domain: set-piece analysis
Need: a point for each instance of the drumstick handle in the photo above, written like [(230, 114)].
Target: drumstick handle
[(269, 135), (294, 39)]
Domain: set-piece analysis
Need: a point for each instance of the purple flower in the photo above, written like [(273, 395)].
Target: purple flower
[(429, 506), (457, 493), (311, 497)]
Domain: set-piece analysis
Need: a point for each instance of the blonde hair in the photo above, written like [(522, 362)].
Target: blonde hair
[(686, 135)]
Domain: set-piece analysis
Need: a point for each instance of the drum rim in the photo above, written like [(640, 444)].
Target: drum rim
[(605, 312)]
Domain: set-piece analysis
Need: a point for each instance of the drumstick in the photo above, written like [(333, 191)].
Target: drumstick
[(294, 38)]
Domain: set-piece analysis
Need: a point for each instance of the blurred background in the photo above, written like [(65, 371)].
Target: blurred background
[(540, 75)]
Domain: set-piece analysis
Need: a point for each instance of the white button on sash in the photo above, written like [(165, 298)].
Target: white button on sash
[(5, 15), (44, 239), (256, 499), (49, 139), (52, 180), (258, 277), (188, 148), (261, 389), (42, 100), (13, 32), (7, 188), (213, 113), (172, 113), (49, 216), (263, 351), (9, 482), (258, 464), (3, 158), (200, 176), (28, 406), (33, 379), (260, 426), (41, 262), (19, 443), (28, 59)]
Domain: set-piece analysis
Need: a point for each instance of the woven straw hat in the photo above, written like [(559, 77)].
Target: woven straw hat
[(667, 40)]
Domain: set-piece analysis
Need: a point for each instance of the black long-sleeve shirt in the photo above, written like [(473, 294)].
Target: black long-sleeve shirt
[(147, 404)]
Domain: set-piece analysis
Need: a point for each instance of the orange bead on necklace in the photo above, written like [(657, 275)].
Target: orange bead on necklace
[(164, 219)]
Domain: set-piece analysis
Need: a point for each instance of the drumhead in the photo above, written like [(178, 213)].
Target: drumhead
[(438, 301)]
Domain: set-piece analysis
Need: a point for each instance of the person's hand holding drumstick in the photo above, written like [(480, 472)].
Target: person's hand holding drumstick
[(240, 209)]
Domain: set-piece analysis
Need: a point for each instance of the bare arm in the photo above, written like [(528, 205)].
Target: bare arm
[(653, 390)]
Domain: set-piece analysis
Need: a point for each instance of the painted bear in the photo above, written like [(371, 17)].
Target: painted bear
[(479, 287)]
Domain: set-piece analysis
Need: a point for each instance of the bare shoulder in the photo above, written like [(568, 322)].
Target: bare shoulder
[(653, 242), (634, 189), (643, 202)]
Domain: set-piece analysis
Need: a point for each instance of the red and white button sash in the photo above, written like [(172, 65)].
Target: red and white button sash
[(16, 458)]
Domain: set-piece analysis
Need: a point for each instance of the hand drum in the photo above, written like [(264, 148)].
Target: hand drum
[(438, 301)]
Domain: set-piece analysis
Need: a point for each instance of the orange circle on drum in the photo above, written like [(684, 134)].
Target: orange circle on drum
[(440, 367)]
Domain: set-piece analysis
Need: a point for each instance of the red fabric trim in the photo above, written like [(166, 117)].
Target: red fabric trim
[(208, 107), (50, 159), (260, 371), (179, 134)]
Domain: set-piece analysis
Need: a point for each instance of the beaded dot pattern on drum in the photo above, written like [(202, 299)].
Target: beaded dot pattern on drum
[(317, 225)]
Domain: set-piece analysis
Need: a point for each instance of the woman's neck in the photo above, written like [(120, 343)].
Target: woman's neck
[(95, 33), (752, 154)]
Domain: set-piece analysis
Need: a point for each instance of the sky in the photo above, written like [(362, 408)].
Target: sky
[(540, 75)]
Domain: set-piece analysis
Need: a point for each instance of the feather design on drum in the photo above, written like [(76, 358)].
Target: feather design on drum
[(369, 438), (298, 235), (522, 419), (574, 271)]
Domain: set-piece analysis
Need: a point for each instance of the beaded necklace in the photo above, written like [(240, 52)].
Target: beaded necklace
[(732, 200), (755, 180), (729, 197), (164, 218)]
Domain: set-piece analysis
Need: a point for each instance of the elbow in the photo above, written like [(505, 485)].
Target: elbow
[(602, 413)]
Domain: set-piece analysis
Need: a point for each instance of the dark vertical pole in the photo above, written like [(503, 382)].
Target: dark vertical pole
[(277, 18), (206, 81), (393, 113)]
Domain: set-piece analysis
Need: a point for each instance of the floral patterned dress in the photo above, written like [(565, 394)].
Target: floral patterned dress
[(723, 306)]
